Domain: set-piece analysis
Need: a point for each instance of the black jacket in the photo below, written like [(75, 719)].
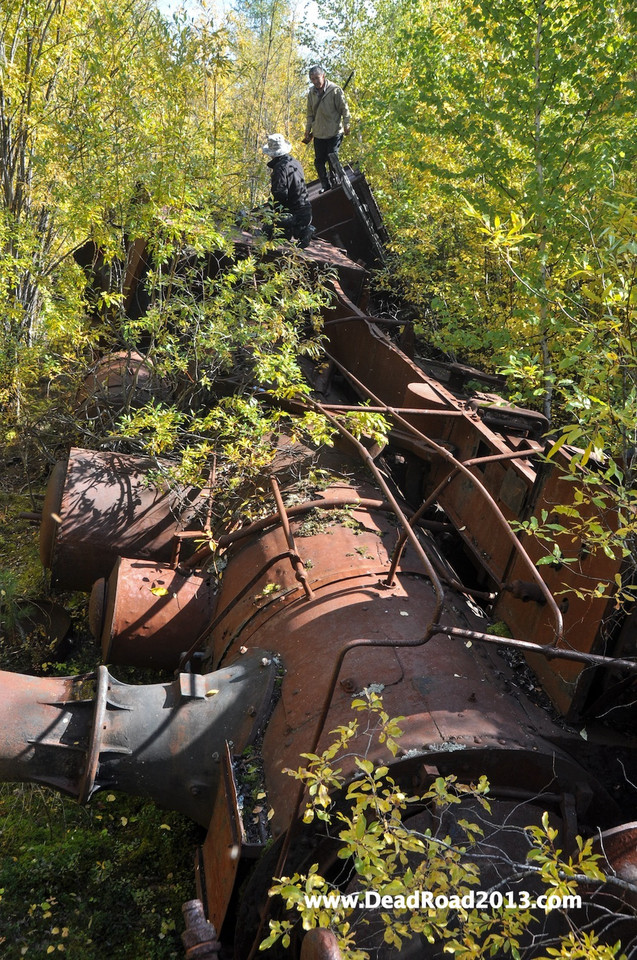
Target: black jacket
[(288, 183)]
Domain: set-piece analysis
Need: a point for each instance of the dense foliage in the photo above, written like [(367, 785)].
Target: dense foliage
[(503, 139), (395, 844)]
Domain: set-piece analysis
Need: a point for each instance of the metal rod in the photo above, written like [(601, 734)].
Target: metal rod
[(297, 563), (412, 411), (549, 651), (458, 467)]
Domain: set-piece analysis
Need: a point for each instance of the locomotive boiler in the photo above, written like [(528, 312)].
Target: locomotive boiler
[(378, 567)]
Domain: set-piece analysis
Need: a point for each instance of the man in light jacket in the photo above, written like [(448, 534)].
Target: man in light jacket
[(327, 121)]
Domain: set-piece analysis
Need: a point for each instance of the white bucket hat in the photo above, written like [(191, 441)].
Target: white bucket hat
[(277, 145)]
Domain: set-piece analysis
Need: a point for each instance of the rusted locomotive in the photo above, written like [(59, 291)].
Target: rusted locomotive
[(377, 566)]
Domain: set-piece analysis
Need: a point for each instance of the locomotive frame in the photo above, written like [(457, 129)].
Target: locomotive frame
[(370, 584)]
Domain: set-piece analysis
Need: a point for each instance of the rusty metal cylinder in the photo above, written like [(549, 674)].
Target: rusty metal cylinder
[(200, 937), (147, 614), (618, 849), (102, 505), (120, 381), (320, 944), (161, 741)]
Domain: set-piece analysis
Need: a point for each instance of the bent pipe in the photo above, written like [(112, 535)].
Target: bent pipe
[(160, 741)]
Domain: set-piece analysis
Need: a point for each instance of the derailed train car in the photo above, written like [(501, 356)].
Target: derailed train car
[(385, 574)]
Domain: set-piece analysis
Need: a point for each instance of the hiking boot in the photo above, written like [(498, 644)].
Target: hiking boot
[(306, 236)]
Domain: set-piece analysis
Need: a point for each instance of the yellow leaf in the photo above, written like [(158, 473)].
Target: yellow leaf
[(159, 591)]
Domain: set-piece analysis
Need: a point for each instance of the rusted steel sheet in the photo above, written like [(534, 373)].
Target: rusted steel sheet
[(520, 491), (100, 506), (508, 482), (400, 383), (453, 696), (574, 585), (226, 844), (369, 355), (347, 217), (147, 614)]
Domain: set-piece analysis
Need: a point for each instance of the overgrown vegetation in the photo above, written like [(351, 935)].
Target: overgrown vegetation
[(396, 844), (68, 872)]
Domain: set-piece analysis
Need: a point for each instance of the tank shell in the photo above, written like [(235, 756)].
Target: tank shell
[(147, 614)]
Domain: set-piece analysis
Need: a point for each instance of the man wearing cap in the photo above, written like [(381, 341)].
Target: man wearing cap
[(327, 121), (289, 190)]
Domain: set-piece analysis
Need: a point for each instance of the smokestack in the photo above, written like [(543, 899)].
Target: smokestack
[(163, 741)]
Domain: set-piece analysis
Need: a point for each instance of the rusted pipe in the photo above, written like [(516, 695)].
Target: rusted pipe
[(297, 563), (458, 467), (548, 651), (162, 741)]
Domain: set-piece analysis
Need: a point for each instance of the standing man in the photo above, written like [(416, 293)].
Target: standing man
[(289, 190), (327, 121)]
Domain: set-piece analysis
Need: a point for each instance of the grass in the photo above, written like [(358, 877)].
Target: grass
[(106, 880)]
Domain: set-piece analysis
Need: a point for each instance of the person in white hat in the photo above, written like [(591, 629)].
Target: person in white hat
[(289, 190)]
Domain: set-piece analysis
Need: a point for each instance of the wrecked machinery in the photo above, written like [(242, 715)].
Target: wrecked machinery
[(386, 577)]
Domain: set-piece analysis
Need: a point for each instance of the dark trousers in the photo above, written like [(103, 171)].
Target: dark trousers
[(297, 224), (322, 150)]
